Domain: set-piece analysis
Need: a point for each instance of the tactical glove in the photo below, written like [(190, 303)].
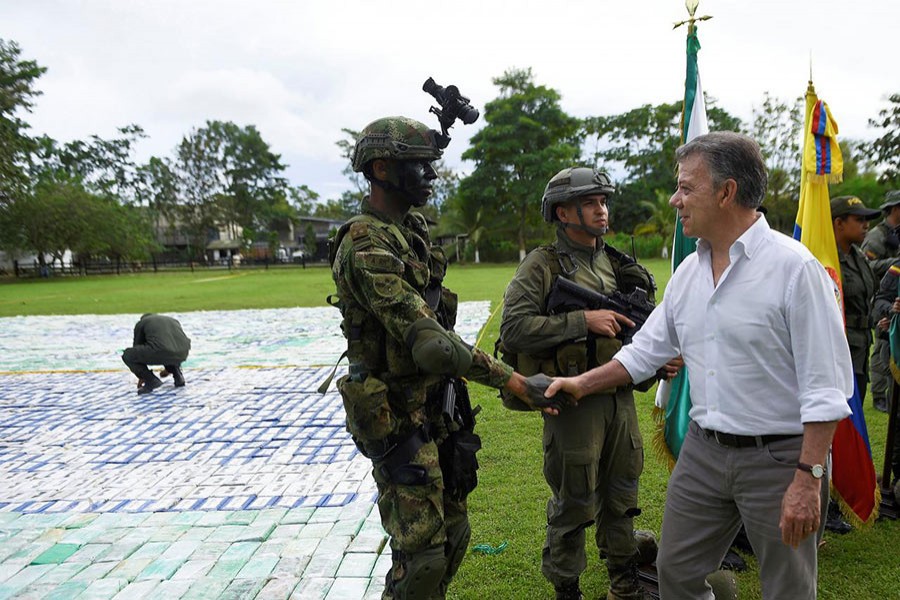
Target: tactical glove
[(536, 385)]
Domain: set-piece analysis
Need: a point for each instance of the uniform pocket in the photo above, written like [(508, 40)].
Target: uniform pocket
[(369, 414)]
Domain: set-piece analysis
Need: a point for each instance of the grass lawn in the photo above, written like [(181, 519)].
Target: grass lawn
[(510, 501)]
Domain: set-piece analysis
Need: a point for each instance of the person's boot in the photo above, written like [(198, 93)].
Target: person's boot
[(733, 562), (569, 591), (150, 383), (880, 404), (834, 521), (177, 376), (723, 584), (646, 547), (624, 583)]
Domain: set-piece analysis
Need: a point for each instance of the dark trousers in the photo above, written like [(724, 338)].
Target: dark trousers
[(137, 358)]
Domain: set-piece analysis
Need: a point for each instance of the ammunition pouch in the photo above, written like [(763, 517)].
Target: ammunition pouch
[(396, 465), (369, 413)]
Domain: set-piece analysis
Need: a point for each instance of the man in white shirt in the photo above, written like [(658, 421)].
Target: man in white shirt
[(755, 317)]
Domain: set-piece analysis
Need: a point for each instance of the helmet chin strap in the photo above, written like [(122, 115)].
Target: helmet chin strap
[(582, 226)]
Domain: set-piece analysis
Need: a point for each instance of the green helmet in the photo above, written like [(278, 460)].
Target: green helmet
[(572, 183), (399, 138)]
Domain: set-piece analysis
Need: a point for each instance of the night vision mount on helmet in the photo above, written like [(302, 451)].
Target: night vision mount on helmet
[(453, 106)]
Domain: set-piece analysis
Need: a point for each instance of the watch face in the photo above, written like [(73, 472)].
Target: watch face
[(818, 471)]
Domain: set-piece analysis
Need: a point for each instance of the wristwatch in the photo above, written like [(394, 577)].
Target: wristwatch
[(817, 471)]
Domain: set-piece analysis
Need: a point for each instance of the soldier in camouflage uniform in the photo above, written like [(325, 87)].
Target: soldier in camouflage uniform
[(593, 453), (882, 248), (398, 320)]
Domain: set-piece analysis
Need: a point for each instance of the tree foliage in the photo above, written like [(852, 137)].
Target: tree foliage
[(641, 144), (887, 146), (778, 127), (528, 138)]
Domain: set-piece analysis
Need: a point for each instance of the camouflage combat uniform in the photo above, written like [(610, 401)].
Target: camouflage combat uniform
[(388, 276), (593, 453), (881, 247)]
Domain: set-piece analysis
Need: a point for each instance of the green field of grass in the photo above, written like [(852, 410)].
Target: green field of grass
[(509, 503)]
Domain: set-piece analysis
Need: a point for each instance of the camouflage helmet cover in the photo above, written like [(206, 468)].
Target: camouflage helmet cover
[(572, 183), (399, 138)]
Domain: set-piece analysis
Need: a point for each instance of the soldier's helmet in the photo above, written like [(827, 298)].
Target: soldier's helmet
[(892, 198), (399, 138), (571, 183)]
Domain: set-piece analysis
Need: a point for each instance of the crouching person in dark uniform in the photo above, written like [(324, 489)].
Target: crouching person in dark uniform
[(407, 408), (158, 340)]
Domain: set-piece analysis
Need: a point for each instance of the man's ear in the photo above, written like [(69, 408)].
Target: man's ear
[(380, 169), (728, 192), (560, 210)]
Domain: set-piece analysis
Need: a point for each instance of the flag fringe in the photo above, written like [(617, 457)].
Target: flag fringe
[(895, 371), (826, 178), (850, 515), (659, 445)]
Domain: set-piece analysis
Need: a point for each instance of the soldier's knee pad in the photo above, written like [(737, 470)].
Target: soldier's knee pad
[(424, 571), (457, 544), (434, 350)]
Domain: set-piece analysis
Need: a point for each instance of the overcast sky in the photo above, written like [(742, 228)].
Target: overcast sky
[(301, 70)]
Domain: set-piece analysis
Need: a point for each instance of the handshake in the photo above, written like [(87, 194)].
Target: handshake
[(531, 390)]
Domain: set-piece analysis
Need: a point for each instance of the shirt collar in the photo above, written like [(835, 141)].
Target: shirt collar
[(748, 243), (567, 244)]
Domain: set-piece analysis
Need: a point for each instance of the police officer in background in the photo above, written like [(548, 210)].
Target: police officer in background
[(158, 340), (882, 248), (593, 454), (887, 304), (850, 219), (405, 360)]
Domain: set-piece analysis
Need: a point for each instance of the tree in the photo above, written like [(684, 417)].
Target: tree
[(887, 147), (351, 200), (778, 129), (309, 241), (527, 139), (642, 143), (17, 91)]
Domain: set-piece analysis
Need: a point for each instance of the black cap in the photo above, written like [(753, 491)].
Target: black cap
[(851, 205)]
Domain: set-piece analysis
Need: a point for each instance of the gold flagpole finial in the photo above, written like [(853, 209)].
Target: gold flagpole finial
[(691, 6)]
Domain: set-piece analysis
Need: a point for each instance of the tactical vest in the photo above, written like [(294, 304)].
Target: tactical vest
[(369, 348), (576, 356)]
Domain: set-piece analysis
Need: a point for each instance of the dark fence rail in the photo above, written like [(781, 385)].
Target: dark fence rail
[(157, 265)]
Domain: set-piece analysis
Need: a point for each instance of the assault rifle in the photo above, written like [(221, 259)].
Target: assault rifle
[(566, 296)]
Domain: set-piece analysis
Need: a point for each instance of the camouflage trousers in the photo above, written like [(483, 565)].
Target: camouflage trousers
[(429, 532), (593, 458)]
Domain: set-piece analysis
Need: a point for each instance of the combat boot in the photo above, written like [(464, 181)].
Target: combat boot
[(624, 583), (569, 591), (150, 383), (177, 377)]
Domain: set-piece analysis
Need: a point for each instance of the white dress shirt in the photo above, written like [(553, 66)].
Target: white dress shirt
[(765, 348)]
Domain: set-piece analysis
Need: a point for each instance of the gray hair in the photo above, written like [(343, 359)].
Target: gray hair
[(730, 155)]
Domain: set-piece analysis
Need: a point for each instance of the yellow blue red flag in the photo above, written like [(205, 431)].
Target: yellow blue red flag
[(853, 472)]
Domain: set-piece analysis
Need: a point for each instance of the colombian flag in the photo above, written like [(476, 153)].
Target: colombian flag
[(853, 473), (673, 399)]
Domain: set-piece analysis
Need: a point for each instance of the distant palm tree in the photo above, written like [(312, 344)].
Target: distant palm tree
[(472, 222), (661, 219)]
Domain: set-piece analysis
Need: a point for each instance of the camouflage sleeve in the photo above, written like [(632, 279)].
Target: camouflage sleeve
[(375, 276), (887, 292), (488, 371), (525, 327)]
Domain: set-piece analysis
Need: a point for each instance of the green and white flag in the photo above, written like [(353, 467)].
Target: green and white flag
[(673, 398)]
